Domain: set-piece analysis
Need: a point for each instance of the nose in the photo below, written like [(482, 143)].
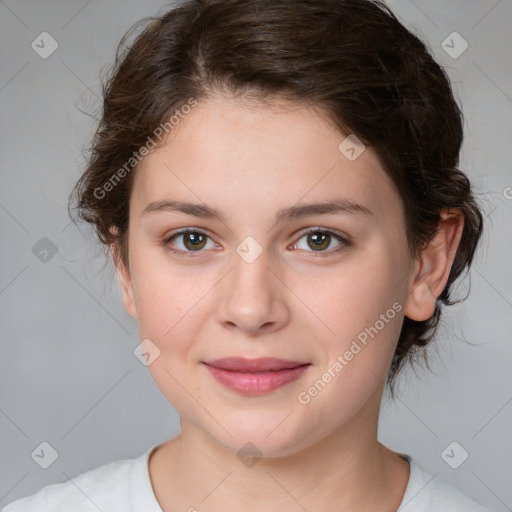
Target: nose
[(253, 298)]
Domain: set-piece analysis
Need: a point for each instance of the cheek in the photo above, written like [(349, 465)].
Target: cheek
[(351, 297), (361, 304), (362, 307), (165, 303), (170, 314), (163, 292)]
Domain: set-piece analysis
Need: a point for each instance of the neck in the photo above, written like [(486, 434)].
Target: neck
[(347, 470)]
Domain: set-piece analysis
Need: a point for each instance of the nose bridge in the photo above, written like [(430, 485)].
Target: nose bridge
[(251, 298)]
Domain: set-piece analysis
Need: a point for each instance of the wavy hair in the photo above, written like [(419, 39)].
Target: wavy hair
[(370, 75)]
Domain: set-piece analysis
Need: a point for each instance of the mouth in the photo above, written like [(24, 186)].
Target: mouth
[(255, 376)]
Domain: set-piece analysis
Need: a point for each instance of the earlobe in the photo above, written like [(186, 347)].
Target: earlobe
[(125, 281), (433, 266)]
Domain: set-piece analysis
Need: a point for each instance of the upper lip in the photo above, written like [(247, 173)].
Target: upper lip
[(261, 364)]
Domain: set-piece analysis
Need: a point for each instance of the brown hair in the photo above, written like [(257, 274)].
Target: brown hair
[(352, 58)]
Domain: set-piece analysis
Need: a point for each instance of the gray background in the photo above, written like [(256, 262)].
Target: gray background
[(68, 373)]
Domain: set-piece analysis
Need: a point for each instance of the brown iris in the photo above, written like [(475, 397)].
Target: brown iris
[(319, 240), (197, 240)]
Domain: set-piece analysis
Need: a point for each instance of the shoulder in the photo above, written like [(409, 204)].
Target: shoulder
[(103, 488), (426, 492)]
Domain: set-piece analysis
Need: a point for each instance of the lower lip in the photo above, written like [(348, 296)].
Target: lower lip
[(257, 383)]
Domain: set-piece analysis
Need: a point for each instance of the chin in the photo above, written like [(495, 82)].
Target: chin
[(257, 439)]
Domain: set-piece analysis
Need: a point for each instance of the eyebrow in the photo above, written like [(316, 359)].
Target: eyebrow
[(336, 206)]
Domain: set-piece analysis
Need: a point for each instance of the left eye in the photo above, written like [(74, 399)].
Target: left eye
[(319, 240)]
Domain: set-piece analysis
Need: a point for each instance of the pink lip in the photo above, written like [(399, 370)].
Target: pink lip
[(255, 376)]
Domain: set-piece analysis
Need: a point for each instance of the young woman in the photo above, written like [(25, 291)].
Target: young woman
[(277, 182)]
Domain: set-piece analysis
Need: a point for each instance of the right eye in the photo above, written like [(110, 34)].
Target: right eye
[(192, 240)]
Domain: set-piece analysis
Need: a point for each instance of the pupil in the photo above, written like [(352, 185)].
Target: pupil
[(319, 240), (195, 239)]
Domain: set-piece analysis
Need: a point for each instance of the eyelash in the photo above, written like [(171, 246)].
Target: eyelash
[(344, 242)]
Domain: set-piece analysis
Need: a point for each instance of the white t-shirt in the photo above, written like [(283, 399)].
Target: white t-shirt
[(125, 486)]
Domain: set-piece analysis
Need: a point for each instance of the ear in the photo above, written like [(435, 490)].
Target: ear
[(125, 280), (433, 266)]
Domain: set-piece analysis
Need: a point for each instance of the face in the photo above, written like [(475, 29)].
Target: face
[(260, 275)]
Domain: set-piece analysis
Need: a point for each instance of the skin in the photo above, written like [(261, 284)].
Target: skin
[(248, 161)]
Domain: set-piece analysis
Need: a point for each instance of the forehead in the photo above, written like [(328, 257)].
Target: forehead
[(229, 153)]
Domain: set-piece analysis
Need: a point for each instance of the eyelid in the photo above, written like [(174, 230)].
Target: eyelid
[(316, 229), (187, 230)]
